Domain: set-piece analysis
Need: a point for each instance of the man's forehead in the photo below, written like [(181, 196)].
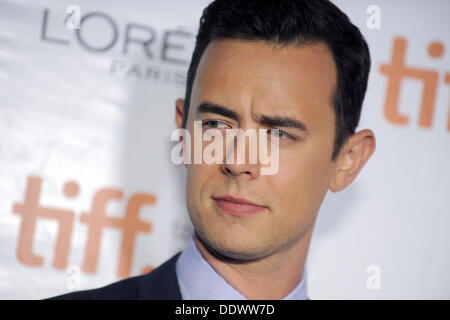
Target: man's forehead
[(272, 65), (287, 75), (225, 51)]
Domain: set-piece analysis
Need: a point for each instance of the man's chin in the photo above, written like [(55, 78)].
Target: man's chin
[(232, 250)]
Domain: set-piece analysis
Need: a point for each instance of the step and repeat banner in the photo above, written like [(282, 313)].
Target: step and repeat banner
[(88, 192)]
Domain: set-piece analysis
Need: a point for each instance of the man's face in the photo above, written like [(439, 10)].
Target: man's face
[(255, 79)]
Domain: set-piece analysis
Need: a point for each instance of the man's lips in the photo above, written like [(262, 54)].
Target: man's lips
[(237, 206)]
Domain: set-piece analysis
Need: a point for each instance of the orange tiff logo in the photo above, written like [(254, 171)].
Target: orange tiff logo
[(30, 210), (397, 71)]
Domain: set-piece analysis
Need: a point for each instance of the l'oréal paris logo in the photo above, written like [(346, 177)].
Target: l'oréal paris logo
[(163, 55)]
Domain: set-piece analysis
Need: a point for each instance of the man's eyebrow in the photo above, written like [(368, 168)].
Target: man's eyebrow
[(271, 121), (208, 107), (280, 121)]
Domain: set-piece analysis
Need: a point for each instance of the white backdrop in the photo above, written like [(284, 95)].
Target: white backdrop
[(85, 123)]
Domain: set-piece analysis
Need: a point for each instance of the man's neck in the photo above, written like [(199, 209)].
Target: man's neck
[(270, 278)]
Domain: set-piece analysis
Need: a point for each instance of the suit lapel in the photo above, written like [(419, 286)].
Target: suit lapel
[(161, 283)]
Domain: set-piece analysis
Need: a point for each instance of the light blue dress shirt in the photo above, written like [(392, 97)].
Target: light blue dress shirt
[(199, 281)]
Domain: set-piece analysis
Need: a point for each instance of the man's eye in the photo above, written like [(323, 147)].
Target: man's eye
[(281, 134), (215, 124)]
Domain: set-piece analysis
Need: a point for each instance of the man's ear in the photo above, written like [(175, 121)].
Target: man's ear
[(179, 110), (352, 158)]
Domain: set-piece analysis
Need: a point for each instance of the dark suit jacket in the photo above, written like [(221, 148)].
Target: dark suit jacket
[(160, 284)]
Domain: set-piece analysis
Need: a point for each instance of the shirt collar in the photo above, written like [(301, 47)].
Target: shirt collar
[(199, 281)]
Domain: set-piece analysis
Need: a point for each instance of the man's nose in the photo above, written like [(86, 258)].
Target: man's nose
[(241, 158)]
